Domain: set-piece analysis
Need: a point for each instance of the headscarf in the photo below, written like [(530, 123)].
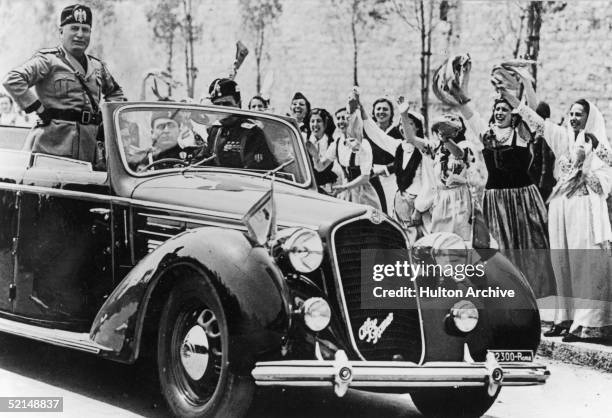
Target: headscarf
[(449, 126), (419, 123), (595, 123), (454, 70)]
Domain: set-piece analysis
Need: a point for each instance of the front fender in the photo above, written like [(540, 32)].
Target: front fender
[(250, 285)]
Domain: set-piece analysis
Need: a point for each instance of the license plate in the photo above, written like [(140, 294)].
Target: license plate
[(512, 356)]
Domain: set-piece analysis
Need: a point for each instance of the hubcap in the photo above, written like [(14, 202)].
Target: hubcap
[(194, 352)]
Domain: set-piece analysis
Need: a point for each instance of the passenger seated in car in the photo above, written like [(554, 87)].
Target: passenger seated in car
[(170, 140), (237, 141)]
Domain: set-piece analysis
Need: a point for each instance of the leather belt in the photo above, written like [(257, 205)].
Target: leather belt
[(84, 118)]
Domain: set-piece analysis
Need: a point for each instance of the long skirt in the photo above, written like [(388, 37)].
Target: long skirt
[(451, 212), (583, 268), (517, 219)]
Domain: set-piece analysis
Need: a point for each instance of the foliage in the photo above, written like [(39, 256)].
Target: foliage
[(172, 21), (258, 16), (423, 16), (362, 17)]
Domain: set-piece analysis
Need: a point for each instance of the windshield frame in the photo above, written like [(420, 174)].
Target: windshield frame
[(299, 160)]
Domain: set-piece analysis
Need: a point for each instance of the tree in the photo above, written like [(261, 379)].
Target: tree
[(542, 165), (507, 29), (191, 32), (535, 12), (258, 16), (422, 16), (164, 17), (363, 16), (173, 20)]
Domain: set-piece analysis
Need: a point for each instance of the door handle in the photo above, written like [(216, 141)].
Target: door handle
[(100, 211), (103, 212)]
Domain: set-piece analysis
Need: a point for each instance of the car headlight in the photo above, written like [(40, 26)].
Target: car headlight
[(317, 313), (464, 315), (304, 249)]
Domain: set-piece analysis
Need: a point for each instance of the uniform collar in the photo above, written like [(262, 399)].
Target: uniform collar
[(76, 64)]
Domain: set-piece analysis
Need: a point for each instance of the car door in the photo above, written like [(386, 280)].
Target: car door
[(64, 269), (13, 164)]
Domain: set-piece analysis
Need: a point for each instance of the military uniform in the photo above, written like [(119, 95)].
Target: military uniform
[(73, 119), (240, 143)]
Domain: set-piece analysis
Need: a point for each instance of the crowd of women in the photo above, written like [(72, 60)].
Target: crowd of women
[(562, 246)]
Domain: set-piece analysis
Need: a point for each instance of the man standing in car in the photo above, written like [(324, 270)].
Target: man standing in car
[(237, 141), (68, 85)]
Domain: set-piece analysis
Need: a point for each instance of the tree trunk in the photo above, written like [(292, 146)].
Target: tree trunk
[(189, 66), (519, 36), (355, 52), (424, 66), (259, 48), (169, 63), (542, 168), (534, 24)]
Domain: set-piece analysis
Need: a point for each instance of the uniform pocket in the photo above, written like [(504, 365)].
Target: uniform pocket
[(64, 84)]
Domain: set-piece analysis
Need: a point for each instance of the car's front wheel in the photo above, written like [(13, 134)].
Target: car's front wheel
[(453, 403), (192, 355)]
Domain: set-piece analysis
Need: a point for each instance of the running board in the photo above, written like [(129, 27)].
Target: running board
[(74, 340)]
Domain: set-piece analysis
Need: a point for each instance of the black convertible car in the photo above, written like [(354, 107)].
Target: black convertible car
[(196, 264)]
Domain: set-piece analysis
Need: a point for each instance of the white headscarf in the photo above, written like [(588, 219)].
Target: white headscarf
[(595, 125)]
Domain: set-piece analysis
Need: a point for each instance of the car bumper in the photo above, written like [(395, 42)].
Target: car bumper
[(342, 374)]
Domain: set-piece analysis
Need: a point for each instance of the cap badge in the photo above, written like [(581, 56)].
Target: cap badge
[(80, 15)]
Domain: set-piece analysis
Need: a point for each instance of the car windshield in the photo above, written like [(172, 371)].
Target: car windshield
[(192, 138)]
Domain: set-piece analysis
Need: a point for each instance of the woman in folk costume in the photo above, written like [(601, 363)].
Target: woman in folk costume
[(354, 156), (452, 158), (322, 128), (514, 211), (579, 225), (413, 174), (383, 115)]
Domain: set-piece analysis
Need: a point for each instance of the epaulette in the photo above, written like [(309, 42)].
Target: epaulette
[(55, 51)]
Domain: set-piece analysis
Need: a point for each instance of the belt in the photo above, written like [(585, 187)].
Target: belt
[(84, 118)]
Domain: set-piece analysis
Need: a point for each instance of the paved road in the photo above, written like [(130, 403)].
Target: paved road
[(96, 388)]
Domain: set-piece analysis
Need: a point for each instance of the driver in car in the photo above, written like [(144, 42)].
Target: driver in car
[(172, 143), (237, 141)]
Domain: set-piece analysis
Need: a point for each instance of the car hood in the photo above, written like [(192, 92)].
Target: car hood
[(231, 195)]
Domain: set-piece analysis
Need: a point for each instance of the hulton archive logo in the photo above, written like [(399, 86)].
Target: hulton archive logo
[(371, 332)]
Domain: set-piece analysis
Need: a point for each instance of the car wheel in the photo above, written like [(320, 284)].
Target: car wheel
[(192, 355), (453, 403)]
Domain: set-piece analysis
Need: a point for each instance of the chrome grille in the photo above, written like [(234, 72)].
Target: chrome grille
[(402, 339)]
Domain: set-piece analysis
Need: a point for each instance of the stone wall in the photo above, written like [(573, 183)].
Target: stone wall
[(310, 50)]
